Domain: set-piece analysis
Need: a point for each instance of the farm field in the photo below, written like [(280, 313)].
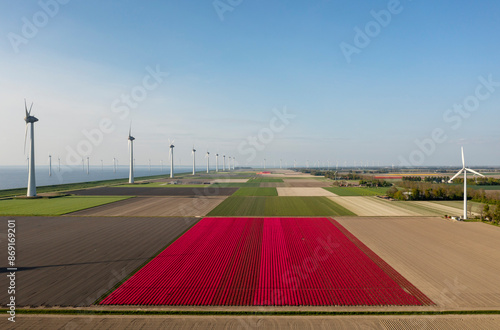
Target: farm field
[(245, 261), (278, 206), (260, 180), (162, 185), (155, 191), (304, 192), (256, 192), (306, 183), (285, 322), (450, 262), (236, 185), (52, 206), (156, 207), (357, 191), (374, 206), (72, 261)]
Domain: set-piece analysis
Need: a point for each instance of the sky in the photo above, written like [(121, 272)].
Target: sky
[(403, 83)]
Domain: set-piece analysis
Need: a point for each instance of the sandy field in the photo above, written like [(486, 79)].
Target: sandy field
[(285, 191), (156, 191), (306, 183), (157, 207), (456, 264), (372, 206), (303, 322), (72, 261)]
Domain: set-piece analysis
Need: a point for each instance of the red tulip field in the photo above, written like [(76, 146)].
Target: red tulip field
[(267, 262)]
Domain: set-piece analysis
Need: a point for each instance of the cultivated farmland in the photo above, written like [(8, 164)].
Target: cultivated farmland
[(157, 207), (278, 206), (262, 262), (156, 191), (72, 261), (304, 192), (357, 191), (256, 192), (454, 263)]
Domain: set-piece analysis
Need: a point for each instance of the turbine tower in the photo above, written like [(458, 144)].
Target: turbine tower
[(88, 165), (234, 161), (59, 164), (224, 163), (50, 165), (131, 160), (207, 156), (29, 119), (216, 162), (171, 155), (194, 160), (464, 170), (114, 165)]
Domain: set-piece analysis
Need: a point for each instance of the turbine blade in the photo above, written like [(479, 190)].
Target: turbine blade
[(25, 136), (29, 112), (463, 158), (472, 171), (26, 108), (130, 129), (459, 172)]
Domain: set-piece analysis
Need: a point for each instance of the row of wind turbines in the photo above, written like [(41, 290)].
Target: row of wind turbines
[(171, 158), (31, 189)]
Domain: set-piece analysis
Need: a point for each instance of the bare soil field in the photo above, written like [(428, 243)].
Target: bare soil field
[(272, 184), (303, 322), (372, 206), (456, 264), (229, 181), (304, 192), (306, 183), (157, 207), (72, 261), (144, 191)]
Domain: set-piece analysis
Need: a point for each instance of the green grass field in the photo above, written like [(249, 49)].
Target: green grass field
[(357, 191), (53, 206), (259, 180), (278, 206), (256, 192)]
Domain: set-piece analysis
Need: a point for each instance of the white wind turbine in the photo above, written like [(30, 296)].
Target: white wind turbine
[(464, 170), (50, 165), (171, 155), (234, 162), (131, 151), (194, 160), (29, 119), (224, 163), (88, 165), (59, 164), (207, 156), (217, 162)]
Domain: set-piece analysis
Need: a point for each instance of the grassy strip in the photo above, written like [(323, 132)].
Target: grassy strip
[(53, 206), (270, 313), (107, 293), (256, 192)]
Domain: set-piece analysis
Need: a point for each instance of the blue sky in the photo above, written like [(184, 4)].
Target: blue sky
[(227, 78)]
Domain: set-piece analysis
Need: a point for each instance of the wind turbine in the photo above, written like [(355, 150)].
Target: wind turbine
[(207, 156), (50, 165), (150, 165), (29, 119), (102, 165), (171, 155), (234, 162), (59, 164), (281, 161), (194, 160), (114, 165), (88, 165), (224, 163), (217, 162), (131, 160), (464, 170)]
